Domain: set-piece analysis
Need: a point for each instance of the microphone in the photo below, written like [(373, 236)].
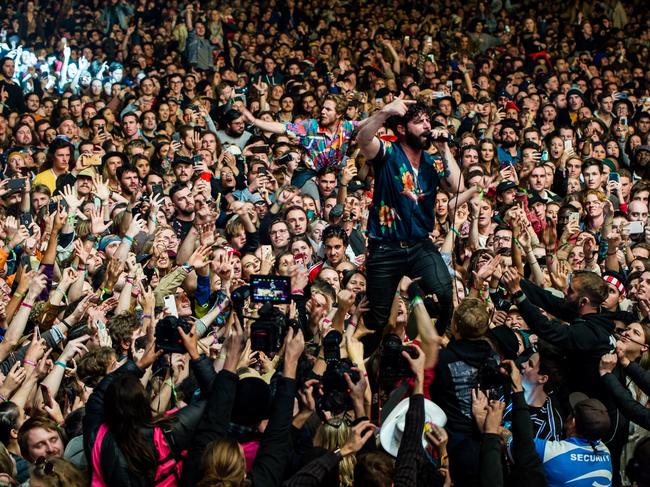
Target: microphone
[(441, 138)]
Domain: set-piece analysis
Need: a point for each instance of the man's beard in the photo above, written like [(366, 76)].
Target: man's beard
[(417, 142), (185, 212), (508, 144)]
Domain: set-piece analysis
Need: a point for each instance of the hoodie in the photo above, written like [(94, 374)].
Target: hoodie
[(584, 340), (456, 375)]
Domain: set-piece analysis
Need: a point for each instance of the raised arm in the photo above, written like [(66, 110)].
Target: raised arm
[(368, 143), (273, 127)]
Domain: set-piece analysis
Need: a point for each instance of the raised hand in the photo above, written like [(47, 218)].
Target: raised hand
[(97, 224), (70, 197), (399, 106), (200, 257), (101, 188)]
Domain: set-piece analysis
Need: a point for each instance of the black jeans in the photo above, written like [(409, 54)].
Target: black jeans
[(389, 262)]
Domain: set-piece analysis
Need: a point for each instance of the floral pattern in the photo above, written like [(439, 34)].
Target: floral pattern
[(409, 187), (387, 218)]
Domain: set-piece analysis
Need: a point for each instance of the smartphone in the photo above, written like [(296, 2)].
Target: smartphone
[(157, 190), (100, 325), (614, 176), (568, 145), (47, 398), (450, 85), (88, 160), (260, 149), (635, 228), (170, 305), (18, 183), (266, 250), (407, 40), (197, 159), (428, 39), (270, 289), (623, 121), (299, 259), (26, 220), (574, 218)]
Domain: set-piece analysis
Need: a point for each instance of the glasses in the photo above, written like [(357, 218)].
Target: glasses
[(279, 232)]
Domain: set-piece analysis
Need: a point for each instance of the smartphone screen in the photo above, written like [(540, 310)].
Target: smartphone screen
[(568, 145), (614, 176), (635, 228)]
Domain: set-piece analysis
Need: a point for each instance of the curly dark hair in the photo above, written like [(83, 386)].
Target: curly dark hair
[(414, 111)]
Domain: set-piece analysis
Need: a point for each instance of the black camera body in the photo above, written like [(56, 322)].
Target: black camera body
[(335, 397), (492, 380), (392, 364), (168, 339), (269, 329)]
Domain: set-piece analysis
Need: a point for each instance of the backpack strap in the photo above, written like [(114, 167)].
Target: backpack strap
[(97, 478), (170, 463)]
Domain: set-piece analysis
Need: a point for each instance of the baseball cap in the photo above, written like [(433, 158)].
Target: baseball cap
[(592, 419), (505, 186), (535, 198)]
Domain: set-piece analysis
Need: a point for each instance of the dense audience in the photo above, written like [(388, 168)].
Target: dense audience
[(306, 244)]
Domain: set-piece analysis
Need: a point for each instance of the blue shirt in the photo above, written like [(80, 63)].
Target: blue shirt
[(574, 462), (505, 156), (403, 201)]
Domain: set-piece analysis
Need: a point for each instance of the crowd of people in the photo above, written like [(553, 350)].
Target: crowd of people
[(358, 244)]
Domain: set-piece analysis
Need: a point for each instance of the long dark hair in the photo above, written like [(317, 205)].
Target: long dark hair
[(127, 413)]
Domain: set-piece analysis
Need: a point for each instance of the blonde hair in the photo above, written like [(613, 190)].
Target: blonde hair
[(223, 464), (332, 438), (63, 473)]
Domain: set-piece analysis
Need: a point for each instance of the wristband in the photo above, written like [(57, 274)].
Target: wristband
[(61, 364), (126, 237), (146, 317), (455, 231), (414, 290), (3, 398), (29, 362), (415, 301), (19, 295), (298, 291), (26, 305)]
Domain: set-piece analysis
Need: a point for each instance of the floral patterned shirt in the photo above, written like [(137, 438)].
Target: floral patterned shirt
[(403, 199), (324, 151)]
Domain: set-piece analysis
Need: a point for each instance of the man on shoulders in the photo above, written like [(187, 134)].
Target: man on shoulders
[(402, 217)]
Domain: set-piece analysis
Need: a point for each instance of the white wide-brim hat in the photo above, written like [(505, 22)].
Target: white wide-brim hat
[(390, 434)]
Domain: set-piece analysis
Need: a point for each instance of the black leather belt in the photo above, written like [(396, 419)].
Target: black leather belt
[(396, 244)]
